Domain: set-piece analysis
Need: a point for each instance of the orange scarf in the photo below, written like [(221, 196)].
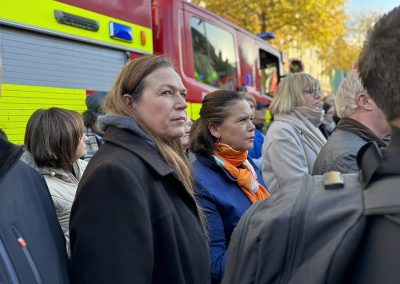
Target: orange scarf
[(246, 177)]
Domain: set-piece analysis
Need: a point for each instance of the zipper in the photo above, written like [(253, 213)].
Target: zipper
[(245, 227), (24, 247), (296, 229), (8, 265)]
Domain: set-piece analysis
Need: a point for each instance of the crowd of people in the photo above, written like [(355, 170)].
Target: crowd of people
[(145, 195)]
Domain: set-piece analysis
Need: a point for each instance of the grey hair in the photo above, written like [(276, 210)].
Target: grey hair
[(346, 95)]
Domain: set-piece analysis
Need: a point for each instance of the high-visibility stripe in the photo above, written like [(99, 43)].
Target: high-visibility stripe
[(39, 15), (18, 102), (194, 110)]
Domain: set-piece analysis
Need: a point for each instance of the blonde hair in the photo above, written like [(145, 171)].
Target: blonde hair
[(131, 80), (290, 92), (348, 89)]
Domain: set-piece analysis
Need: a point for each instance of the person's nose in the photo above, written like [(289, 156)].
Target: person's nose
[(85, 138), (252, 126), (317, 95), (181, 103)]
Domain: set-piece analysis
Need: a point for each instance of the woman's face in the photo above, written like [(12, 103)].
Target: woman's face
[(81, 149), (162, 104), (252, 106), (237, 130), (186, 137), (312, 98)]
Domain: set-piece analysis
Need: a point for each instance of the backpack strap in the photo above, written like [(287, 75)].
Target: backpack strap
[(383, 196), (381, 193), (369, 157)]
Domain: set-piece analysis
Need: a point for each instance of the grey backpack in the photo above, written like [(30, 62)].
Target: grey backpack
[(308, 231)]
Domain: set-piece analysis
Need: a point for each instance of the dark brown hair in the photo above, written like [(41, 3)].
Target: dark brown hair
[(52, 137), (214, 109), (379, 63)]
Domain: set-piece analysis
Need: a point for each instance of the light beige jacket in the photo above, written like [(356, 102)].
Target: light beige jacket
[(289, 149), (62, 186)]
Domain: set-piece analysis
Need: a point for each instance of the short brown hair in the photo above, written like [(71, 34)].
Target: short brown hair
[(52, 137), (215, 109), (379, 63)]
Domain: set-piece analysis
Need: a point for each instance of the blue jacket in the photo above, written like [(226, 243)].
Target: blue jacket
[(256, 152), (223, 202)]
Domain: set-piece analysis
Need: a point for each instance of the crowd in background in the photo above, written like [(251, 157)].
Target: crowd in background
[(141, 192)]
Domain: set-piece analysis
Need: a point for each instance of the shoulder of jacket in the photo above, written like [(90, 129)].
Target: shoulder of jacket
[(283, 127), (282, 133), (60, 188), (346, 134), (211, 178)]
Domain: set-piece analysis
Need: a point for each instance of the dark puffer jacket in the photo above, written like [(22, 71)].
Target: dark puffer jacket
[(32, 245)]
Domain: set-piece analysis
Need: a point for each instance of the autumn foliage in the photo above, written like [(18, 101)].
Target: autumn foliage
[(313, 23)]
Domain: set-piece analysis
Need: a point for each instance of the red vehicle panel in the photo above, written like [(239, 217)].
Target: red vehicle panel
[(173, 33)]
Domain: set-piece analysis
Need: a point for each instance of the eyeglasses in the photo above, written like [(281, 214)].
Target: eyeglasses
[(315, 93)]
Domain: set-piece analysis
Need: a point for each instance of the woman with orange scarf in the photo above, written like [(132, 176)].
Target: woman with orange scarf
[(226, 182)]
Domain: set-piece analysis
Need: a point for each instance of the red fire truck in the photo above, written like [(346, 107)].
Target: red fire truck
[(56, 52)]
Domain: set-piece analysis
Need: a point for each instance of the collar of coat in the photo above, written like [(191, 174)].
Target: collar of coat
[(9, 154), (359, 129), (66, 176), (124, 122), (130, 141), (376, 164), (391, 161)]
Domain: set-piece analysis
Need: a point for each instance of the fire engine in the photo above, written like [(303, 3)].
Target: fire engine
[(57, 52)]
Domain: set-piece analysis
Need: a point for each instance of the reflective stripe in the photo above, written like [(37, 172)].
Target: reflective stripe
[(194, 110), (8, 265), (39, 15), (18, 102)]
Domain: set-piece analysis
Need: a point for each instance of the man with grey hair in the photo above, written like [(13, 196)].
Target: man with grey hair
[(361, 122)]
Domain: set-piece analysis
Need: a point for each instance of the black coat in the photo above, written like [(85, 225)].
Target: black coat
[(32, 245), (378, 256), (132, 220)]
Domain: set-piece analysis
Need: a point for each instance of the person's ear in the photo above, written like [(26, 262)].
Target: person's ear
[(128, 100), (214, 130), (364, 101)]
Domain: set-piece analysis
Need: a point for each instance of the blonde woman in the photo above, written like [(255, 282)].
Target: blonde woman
[(135, 219), (293, 140)]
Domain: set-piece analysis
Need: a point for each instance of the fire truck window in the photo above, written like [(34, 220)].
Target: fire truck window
[(269, 72), (214, 55)]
